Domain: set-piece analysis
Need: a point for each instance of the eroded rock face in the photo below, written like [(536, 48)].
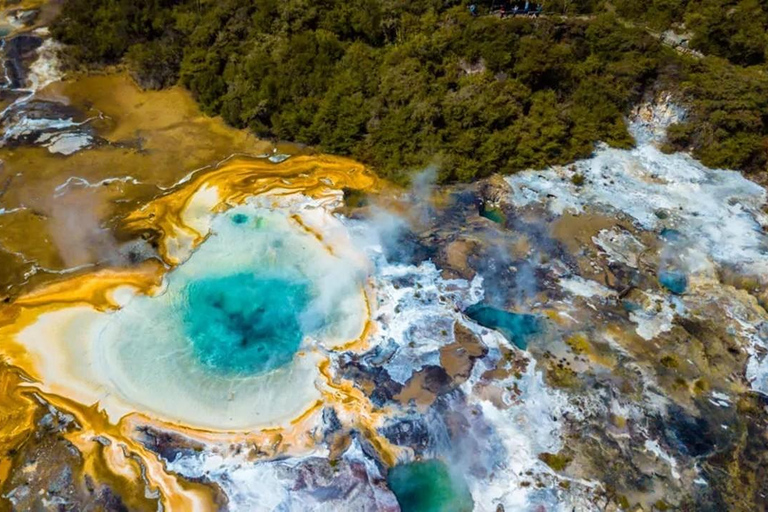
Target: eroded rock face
[(20, 51), (48, 477), (31, 63), (60, 128)]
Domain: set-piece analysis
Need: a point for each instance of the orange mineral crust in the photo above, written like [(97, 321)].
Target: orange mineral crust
[(53, 344)]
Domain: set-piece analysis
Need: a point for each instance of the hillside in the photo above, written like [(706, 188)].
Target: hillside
[(402, 85)]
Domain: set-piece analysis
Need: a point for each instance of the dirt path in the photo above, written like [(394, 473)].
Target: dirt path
[(678, 42)]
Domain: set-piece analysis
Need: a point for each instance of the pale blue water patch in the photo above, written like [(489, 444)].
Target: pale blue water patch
[(429, 486), (245, 323), (674, 281), (671, 235), (516, 327)]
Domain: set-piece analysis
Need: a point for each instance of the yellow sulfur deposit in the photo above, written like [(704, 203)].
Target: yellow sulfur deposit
[(54, 334)]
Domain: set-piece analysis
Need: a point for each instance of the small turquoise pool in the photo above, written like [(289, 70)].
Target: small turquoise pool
[(671, 235), (494, 214), (429, 486), (239, 218), (516, 327), (674, 281)]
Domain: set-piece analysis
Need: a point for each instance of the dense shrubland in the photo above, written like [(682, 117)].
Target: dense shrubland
[(401, 84)]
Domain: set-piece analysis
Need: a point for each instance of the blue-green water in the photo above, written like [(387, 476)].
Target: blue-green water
[(630, 306), (516, 327), (428, 486), (674, 281), (245, 323), (239, 218), (494, 214), (671, 235)]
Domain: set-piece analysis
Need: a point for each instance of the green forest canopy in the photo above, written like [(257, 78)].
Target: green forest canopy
[(401, 84)]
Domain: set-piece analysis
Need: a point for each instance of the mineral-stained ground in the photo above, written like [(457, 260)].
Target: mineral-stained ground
[(588, 337)]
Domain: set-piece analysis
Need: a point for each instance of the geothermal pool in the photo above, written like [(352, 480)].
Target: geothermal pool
[(232, 337)]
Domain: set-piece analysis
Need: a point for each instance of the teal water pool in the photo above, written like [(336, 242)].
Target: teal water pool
[(429, 486), (516, 327), (245, 323), (674, 281)]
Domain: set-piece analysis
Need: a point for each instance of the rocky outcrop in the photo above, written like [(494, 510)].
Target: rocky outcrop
[(19, 51)]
